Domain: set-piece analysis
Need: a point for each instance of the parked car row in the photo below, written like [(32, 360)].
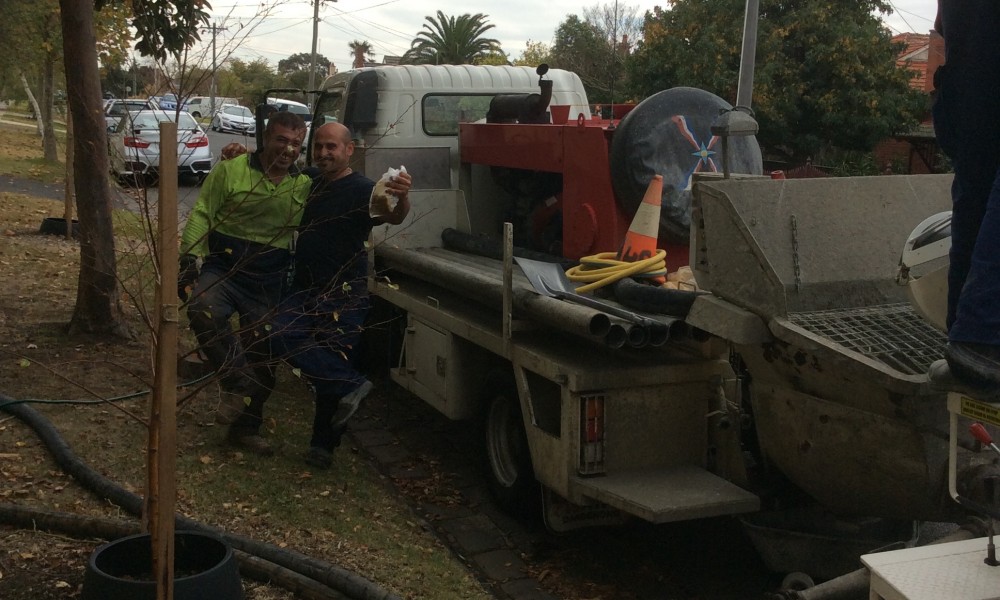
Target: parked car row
[(202, 106), (134, 136)]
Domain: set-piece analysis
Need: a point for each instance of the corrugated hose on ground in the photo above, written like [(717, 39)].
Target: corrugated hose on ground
[(305, 576)]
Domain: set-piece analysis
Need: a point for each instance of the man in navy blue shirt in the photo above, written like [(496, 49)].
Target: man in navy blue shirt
[(319, 324)]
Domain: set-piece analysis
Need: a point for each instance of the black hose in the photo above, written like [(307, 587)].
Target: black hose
[(82, 526), (654, 299), (488, 247), (337, 578)]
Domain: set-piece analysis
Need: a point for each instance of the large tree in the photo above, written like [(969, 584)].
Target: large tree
[(595, 48), (250, 79), (534, 54), (452, 41), (30, 34), (30, 45), (163, 27), (825, 74), (295, 68)]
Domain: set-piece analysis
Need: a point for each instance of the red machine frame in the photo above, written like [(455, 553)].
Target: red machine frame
[(593, 220)]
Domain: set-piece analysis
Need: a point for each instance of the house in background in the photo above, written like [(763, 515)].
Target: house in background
[(916, 150)]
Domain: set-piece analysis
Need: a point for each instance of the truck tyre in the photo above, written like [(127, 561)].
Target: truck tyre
[(509, 473)]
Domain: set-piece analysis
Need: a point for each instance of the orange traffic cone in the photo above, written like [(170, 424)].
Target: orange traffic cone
[(640, 241)]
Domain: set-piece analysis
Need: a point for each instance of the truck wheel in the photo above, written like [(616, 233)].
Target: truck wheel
[(510, 475)]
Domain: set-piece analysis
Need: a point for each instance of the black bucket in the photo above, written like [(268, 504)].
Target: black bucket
[(205, 569), (57, 226)]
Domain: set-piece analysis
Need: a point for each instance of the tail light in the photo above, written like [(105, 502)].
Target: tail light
[(591, 434), (197, 142), (135, 142)]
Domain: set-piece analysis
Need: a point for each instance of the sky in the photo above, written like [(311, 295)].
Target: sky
[(389, 25)]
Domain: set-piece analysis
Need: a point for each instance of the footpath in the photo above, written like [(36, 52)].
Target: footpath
[(417, 448)]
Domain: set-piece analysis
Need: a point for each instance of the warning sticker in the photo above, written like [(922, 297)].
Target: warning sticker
[(980, 411)]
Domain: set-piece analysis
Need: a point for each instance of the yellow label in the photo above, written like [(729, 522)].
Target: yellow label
[(980, 411)]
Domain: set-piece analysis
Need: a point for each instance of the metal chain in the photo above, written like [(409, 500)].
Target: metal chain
[(795, 254)]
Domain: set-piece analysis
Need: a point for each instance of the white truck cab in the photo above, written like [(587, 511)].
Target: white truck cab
[(410, 113)]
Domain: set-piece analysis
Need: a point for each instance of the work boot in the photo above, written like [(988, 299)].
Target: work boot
[(942, 378), (976, 364), (231, 406), (348, 405), (319, 457), (249, 440)]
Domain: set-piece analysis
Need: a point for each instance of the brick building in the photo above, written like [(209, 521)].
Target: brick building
[(916, 151)]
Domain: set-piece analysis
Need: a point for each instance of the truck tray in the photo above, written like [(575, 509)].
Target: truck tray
[(669, 494)]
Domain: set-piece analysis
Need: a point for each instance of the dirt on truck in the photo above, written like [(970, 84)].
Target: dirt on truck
[(791, 379)]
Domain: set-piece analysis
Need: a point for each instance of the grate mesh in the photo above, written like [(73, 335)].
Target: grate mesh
[(893, 334)]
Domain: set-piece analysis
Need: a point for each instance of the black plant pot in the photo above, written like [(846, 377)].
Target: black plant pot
[(205, 568), (57, 226)]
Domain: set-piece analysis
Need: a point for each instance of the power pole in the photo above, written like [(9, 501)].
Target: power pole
[(211, 92), (312, 62)]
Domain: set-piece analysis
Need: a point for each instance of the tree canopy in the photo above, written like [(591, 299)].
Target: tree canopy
[(452, 40), (825, 73), (595, 47), (534, 54), (295, 68), (361, 52), (165, 27)]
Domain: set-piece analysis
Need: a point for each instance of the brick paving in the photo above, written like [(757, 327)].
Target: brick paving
[(409, 442)]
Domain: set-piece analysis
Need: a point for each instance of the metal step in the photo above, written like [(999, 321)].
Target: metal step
[(669, 494)]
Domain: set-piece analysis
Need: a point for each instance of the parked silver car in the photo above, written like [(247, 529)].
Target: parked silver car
[(238, 119), (115, 108), (135, 146)]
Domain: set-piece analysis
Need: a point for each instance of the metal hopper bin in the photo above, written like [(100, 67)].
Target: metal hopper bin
[(802, 280)]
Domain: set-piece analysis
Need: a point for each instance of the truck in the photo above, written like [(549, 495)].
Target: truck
[(794, 375)]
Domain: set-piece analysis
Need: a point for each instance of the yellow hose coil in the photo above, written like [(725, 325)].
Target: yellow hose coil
[(617, 269)]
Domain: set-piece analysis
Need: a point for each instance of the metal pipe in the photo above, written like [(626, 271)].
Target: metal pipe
[(658, 336), (600, 325), (616, 336), (488, 289), (636, 336), (748, 54)]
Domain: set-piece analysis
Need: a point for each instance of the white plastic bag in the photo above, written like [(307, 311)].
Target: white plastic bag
[(382, 202)]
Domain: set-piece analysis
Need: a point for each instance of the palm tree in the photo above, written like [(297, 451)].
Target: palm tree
[(452, 41), (360, 52)]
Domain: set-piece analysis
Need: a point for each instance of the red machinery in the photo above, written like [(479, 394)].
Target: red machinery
[(593, 220)]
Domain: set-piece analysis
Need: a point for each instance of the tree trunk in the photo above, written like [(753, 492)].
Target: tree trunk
[(45, 117), (98, 306), (34, 103), (70, 179)]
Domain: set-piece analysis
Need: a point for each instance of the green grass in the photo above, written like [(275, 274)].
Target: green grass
[(21, 154)]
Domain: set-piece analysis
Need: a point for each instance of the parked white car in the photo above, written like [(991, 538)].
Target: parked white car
[(201, 106), (135, 146), (296, 107), (238, 119)]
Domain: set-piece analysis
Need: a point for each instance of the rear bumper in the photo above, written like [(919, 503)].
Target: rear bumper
[(196, 167)]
